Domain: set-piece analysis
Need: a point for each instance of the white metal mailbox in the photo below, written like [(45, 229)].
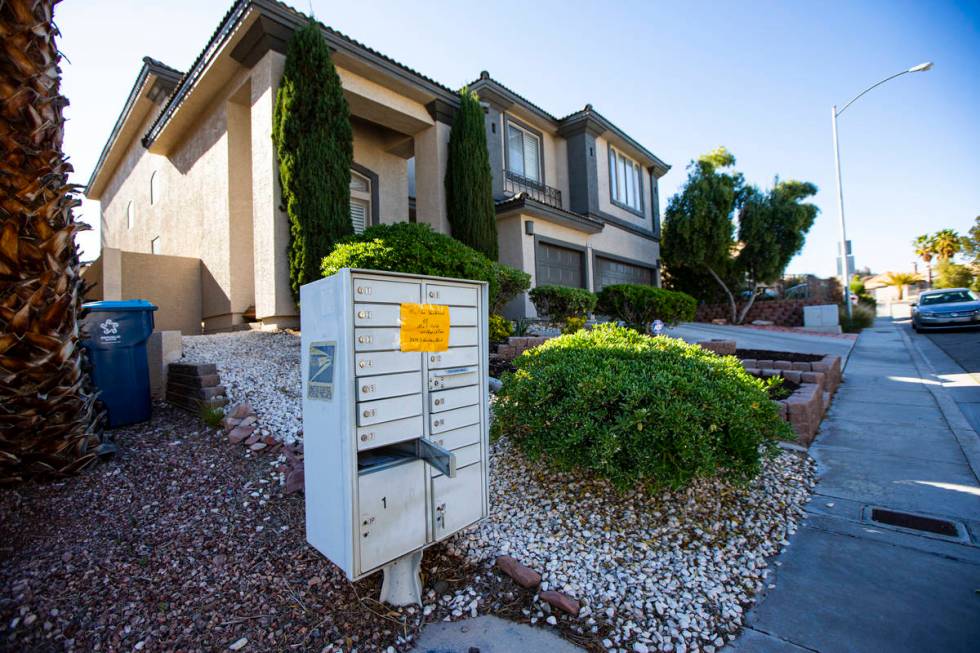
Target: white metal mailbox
[(395, 442)]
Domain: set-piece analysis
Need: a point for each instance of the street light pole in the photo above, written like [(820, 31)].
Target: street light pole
[(844, 268)]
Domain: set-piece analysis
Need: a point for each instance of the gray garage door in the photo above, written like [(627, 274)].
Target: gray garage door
[(559, 266), (609, 272)]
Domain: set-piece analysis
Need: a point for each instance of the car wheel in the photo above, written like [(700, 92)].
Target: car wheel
[(915, 327)]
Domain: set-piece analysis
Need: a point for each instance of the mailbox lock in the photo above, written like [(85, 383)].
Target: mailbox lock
[(439, 402), (441, 515), (369, 413), (435, 358), (367, 436), (364, 339), (366, 363), (367, 388), (438, 422), (364, 315), (364, 290), (433, 293)]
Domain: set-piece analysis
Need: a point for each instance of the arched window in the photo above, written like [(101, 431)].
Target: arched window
[(130, 215), (154, 188), (360, 202)]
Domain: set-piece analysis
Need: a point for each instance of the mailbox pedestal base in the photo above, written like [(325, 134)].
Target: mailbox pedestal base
[(402, 582)]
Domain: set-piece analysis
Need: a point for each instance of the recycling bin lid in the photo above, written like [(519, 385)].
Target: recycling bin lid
[(124, 305)]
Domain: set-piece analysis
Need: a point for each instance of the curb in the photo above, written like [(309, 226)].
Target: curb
[(965, 435)]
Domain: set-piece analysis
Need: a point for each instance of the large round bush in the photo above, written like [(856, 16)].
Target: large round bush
[(639, 305), (637, 409), (417, 249)]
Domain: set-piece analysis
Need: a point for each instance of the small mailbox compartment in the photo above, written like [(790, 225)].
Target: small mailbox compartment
[(389, 385), (458, 438), (386, 362), (457, 502), (455, 295), (455, 398), (386, 410), (386, 292), (391, 505), (379, 435), (464, 457), (454, 419), (456, 357), (462, 316)]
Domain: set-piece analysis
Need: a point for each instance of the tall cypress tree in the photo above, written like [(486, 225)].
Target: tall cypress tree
[(469, 184), (315, 146)]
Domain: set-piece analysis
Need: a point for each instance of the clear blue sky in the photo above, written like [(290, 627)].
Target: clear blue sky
[(681, 77)]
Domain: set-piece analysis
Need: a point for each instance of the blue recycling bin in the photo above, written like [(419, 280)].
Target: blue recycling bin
[(115, 335)]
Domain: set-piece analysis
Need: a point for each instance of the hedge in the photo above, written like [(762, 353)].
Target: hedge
[(639, 305), (637, 409), (417, 249), (563, 305)]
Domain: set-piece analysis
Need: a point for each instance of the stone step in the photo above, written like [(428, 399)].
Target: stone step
[(190, 392), (196, 369), (197, 381)]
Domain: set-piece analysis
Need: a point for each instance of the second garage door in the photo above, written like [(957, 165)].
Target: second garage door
[(609, 272), (559, 266)]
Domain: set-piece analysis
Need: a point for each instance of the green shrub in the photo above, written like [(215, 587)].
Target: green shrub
[(417, 249), (559, 303), (210, 415), (637, 409), (573, 324), (639, 305), (952, 275), (512, 283), (862, 317), (500, 328)]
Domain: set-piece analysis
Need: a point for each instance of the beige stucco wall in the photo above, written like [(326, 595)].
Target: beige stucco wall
[(370, 142), (172, 283), (605, 203)]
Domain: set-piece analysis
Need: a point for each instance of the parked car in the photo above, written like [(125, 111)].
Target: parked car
[(949, 307)]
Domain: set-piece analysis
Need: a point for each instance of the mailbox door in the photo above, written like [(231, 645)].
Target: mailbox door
[(457, 502), (391, 504)]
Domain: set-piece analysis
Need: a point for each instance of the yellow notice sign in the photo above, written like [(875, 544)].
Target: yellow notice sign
[(425, 327)]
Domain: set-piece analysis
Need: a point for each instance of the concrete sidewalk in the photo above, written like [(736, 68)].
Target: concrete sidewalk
[(894, 438)]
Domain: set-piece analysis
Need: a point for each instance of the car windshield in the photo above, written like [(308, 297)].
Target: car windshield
[(950, 297)]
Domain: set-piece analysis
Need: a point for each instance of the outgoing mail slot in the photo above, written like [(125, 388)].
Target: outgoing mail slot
[(453, 357), (455, 295), (455, 377), (458, 438), (456, 398), (380, 435), (386, 292), (454, 419), (387, 362), (385, 410)]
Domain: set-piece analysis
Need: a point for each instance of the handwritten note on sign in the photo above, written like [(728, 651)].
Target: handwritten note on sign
[(425, 327)]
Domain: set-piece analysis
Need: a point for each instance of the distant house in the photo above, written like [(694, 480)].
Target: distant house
[(189, 171)]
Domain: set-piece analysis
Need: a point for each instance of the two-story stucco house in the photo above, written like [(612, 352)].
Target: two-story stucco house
[(190, 171)]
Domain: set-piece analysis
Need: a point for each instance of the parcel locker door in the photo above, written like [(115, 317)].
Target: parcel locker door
[(457, 502), (391, 504)]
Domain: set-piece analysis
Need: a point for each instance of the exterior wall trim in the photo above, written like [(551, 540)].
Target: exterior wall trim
[(561, 243), (569, 219), (628, 226), (375, 191)]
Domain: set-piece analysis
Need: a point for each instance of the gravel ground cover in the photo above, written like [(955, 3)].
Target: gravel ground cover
[(184, 542), (673, 571), (261, 368)]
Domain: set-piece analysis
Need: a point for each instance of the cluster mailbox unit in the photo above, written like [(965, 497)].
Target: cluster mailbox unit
[(395, 415)]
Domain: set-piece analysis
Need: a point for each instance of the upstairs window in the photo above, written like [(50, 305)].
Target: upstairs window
[(360, 202), (523, 153), (154, 188), (625, 181), (130, 215)]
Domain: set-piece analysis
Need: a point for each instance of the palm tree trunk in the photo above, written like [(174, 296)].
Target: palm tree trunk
[(49, 424)]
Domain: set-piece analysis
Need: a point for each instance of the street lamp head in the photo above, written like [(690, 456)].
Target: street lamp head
[(921, 68)]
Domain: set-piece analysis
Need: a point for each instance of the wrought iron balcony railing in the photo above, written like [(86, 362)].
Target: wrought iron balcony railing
[(515, 184)]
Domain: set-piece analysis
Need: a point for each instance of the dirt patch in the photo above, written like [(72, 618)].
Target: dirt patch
[(765, 354), (183, 542)]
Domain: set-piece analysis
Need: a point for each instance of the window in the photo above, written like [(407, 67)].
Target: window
[(523, 153), (155, 245), (154, 188), (130, 215), (625, 181), (360, 202)]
